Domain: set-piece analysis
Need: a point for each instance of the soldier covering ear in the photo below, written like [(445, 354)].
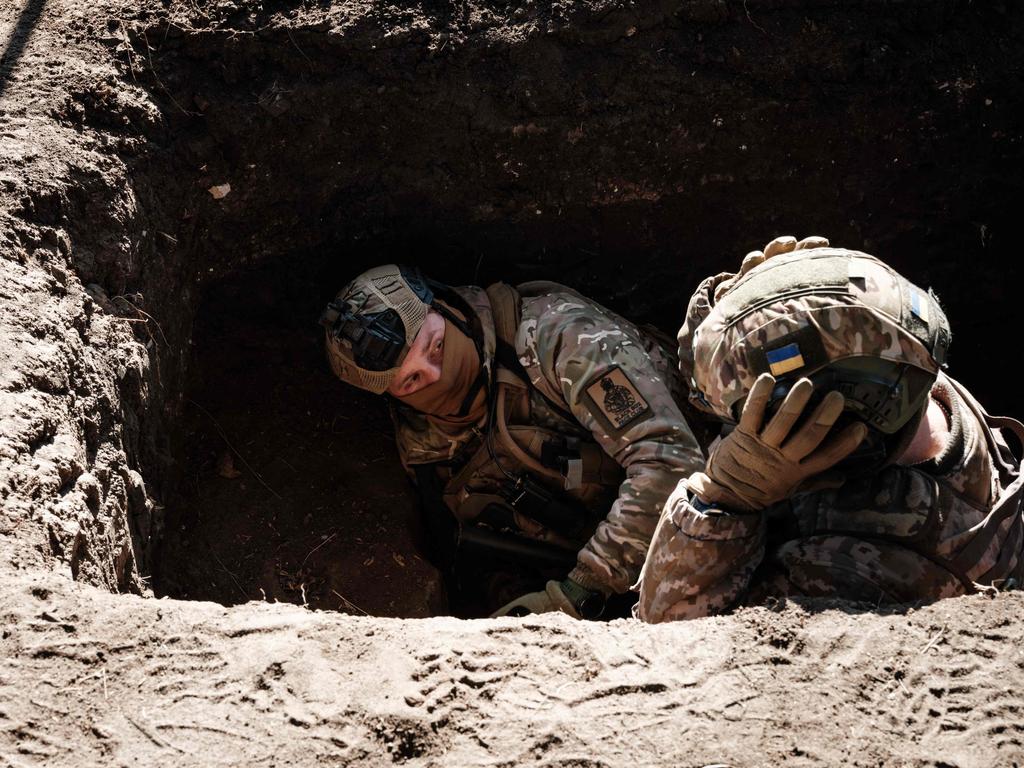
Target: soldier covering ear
[(829, 363)]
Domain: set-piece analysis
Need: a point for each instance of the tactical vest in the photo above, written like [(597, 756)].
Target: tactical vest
[(535, 470), (994, 554)]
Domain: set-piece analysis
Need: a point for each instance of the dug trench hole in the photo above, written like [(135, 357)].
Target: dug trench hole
[(287, 485), (292, 490)]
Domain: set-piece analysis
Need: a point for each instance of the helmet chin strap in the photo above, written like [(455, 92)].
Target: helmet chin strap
[(470, 398), (481, 380)]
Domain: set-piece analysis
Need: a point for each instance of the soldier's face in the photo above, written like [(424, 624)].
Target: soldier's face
[(422, 365)]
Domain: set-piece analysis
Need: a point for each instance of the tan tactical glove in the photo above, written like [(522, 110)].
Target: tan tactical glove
[(551, 599), (781, 244), (756, 466)]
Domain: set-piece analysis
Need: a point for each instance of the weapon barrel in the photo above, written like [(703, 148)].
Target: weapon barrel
[(516, 548)]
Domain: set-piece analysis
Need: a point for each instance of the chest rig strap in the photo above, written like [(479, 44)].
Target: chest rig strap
[(540, 464), (1001, 540), (571, 461), (512, 382)]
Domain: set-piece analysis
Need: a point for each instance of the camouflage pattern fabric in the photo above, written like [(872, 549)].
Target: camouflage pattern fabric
[(863, 315), (621, 388), (903, 534), (569, 346), (891, 537), (699, 307)]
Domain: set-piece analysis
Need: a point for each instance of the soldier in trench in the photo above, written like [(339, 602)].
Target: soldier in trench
[(543, 432), (851, 465)]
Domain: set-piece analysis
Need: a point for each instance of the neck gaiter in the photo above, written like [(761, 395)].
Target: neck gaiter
[(460, 366)]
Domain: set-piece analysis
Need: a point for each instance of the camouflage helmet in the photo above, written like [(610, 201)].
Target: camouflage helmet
[(372, 322), (842, 318)]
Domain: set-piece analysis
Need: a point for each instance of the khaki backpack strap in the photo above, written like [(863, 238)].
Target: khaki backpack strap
[(506, 306), (507, 311), (593, 465), (1009, 467)]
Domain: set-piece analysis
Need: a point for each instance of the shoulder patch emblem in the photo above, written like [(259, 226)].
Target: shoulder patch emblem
[(616, 399)]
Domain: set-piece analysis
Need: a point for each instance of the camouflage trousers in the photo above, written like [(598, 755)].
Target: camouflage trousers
[(853, 569), (701, 565)]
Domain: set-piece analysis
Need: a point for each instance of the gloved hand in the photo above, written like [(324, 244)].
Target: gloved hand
[(551, 599), (756, 466), (781, 244)]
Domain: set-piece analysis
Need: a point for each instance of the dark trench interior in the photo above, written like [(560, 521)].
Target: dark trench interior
[(292, 487), (629, 169)]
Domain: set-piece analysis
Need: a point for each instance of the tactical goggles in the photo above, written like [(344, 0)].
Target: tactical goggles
[(377, 339)]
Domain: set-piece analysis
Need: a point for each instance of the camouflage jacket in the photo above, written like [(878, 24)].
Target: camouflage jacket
[(911, 533), (595, 376)]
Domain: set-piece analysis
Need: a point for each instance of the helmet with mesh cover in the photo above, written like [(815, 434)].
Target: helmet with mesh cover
[(842, 318), (372, 322)]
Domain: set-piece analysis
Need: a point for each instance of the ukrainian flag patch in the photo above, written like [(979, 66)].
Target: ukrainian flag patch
[(784, 359)]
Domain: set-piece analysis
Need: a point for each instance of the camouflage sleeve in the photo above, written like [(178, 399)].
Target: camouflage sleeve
[(699, 561), (600, 367)]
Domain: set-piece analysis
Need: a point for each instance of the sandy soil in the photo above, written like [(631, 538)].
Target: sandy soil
[(493, 139), (88, 678)]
